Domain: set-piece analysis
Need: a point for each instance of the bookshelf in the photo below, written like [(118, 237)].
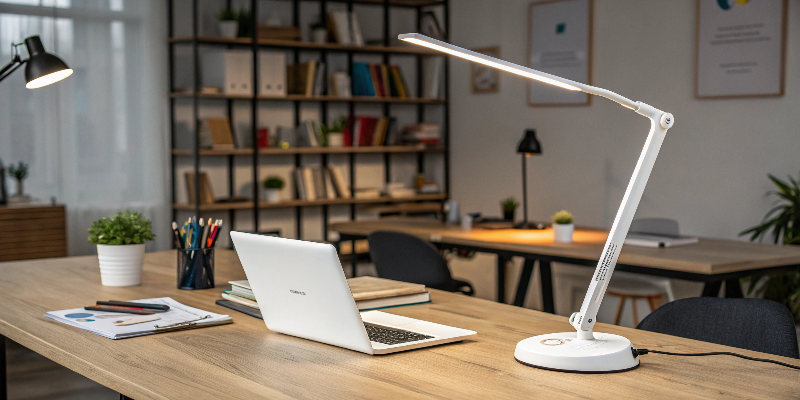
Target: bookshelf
[(253, 157)]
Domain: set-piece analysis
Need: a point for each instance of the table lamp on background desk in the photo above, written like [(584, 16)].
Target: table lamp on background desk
[(583, 351), (527, 146)]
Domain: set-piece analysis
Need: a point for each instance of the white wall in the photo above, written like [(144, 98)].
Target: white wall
[(711, 172)]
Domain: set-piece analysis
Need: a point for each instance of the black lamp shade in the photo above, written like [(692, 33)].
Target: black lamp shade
[(43, 68), (529, 144)]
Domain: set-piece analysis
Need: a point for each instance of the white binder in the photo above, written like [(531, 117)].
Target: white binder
[(229, 70), (272, 74)]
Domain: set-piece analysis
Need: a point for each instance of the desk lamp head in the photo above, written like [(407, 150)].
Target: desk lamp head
[(582, 350), (42, 68)]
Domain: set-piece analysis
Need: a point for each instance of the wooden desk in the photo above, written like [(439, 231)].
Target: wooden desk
[(244, 360), (712, 261)]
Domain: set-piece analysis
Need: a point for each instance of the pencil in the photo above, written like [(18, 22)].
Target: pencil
[(204, 236)]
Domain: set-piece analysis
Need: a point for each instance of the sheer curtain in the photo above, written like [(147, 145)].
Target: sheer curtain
[(97, 141)]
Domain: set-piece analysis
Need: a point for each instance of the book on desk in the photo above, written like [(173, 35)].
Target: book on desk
[(370, 293)]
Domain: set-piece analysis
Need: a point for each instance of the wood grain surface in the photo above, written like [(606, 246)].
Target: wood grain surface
[(710, 256), (244, 360), (32, 230)]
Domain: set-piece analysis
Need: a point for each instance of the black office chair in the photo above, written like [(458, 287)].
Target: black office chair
[(753, 324), (403, 257)]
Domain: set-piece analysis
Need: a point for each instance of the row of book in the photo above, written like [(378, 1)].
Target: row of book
[(230, 72), (371, 131), (312, 183), (370, 293), (378, 80)]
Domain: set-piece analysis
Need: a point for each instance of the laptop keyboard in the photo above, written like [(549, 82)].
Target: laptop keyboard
[(390, 336)]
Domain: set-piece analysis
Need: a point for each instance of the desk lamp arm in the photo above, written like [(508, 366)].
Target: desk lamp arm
[(584, 320)]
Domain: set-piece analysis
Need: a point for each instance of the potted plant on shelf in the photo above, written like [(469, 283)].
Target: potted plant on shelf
[(784, 223), (228, 23), (509, 207), (319, 32), (273, 186), (563, 226), (332, 135), (120, 247), (19, 172)]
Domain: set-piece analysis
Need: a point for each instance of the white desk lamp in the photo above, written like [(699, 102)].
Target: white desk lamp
[(583, 351)]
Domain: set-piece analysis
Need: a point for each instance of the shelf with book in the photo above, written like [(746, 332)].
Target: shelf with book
[(309, 203), (297, 97), (296, 44), (314, 150), (427, 98)]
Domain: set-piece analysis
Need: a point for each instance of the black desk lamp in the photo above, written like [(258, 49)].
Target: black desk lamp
[(43, 68), (527, 146)]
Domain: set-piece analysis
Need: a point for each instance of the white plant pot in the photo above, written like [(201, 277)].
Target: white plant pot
[(563, 232), (229, 29), (273, 195), (319, 35), (335, 139), (121, 265)]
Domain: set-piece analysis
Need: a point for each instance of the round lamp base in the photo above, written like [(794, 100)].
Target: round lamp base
[(564, 352)]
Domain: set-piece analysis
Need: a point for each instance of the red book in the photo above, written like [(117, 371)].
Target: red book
[(348, 136), (377, 80), (263, 138), (367, 131)]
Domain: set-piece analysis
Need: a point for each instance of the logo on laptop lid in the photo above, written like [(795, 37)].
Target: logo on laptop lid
[(297, 292)]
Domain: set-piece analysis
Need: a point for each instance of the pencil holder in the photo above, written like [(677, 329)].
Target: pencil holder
[(195, 268)]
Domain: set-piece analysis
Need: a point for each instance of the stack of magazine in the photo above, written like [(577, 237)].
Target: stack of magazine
[(370, 293)]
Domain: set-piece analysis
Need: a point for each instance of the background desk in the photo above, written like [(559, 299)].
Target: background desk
[(245, 360), (712, 261)]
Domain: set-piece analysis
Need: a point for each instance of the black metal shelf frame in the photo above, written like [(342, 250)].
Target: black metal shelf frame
[(386, 51)]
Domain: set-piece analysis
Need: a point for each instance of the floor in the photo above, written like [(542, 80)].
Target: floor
[(34, 377)]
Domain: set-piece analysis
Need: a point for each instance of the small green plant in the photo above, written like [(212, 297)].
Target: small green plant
[(562, 217), (127, 227), (228, 14), (19, 171), (783, 221), (509, 204), (273, 182), (336, 126)]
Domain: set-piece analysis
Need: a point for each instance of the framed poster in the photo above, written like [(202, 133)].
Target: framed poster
[(560, 43), (741, 48), (486, 79)]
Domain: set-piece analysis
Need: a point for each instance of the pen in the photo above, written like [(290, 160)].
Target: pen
[(126, 310), (176, 234), (162, 307), (219, 226), (204, 238)]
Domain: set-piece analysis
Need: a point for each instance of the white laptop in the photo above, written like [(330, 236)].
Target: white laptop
[(302, 291)]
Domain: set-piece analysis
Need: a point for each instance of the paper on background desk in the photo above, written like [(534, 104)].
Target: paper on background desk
[(102, 322)]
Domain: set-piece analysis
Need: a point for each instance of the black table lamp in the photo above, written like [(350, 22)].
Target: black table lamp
[(527, 146), (43, 68)]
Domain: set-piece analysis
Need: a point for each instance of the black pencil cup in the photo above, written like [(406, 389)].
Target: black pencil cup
[(195, 269)]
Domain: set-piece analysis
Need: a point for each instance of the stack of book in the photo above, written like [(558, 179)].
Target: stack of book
[(314, 183), (425, 133), (376, 80), (370, 293)]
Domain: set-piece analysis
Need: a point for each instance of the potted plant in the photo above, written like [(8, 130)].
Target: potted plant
[(273, 186), (228, 23), (332, 134), (19, 172), (319, 32), (784, 223), (563, 227), (120, 247), (509, 207)]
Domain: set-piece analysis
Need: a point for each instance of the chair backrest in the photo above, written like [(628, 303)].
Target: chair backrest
[(753, 324), (656, 226), (407, 258)]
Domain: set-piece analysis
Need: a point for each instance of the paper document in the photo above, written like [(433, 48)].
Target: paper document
[(103, 322)]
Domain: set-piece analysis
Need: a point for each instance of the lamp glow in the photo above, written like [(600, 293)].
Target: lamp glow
[(48, 79), (583, 350)]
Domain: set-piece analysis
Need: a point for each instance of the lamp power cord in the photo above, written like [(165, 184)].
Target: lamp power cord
[(716, 353)]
